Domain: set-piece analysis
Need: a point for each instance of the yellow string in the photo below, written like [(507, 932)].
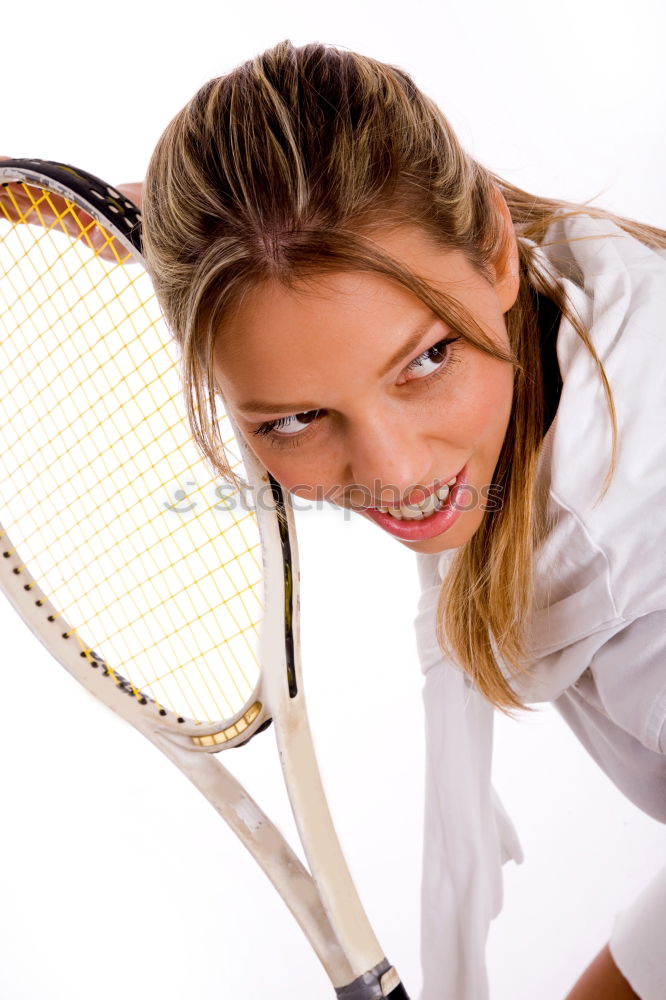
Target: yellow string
[(94, 429)]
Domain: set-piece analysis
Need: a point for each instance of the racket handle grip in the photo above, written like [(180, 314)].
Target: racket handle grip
[(399, 993), (372, 984)]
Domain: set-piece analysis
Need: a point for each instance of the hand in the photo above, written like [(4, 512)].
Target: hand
[(133, 191), (602, 978)]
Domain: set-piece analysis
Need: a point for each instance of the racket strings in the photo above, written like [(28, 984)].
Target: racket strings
[(96, 446), (28, 205), (146, 384)]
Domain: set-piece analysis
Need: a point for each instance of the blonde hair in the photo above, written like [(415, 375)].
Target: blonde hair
[(283, 169)]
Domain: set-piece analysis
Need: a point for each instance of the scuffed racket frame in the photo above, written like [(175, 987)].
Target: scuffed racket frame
[(329, 913)]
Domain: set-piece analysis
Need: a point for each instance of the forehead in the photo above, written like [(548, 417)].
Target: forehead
[(320, 333), (290, 343)]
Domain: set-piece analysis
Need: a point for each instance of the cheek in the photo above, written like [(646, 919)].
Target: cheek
[(305, 474), (486, 407)]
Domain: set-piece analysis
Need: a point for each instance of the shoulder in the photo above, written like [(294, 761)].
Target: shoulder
[(581, 247), (608, 277), (619, 292)]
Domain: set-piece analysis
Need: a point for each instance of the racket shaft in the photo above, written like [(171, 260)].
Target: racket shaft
[(269, 849)]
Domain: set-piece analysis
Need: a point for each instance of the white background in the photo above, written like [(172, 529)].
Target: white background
[(116, 877)]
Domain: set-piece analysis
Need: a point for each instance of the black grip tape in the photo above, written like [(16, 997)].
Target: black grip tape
[(399, 993)]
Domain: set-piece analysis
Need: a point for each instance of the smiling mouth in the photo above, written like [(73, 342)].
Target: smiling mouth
[(432, 499), (427, 520), (435, 499)]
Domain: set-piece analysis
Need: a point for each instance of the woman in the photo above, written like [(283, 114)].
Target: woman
[(396, 328)]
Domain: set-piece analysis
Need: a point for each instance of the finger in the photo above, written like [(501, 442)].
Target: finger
[(133, 191)]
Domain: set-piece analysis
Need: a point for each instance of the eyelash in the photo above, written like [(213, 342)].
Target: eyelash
[(269, 427)]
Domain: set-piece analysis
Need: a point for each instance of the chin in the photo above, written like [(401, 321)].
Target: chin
[(454, 538), (430, 546)]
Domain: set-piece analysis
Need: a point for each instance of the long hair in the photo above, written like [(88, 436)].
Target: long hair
[(283, 169)]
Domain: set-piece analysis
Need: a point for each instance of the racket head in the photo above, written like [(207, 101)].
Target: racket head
[(170, 605)]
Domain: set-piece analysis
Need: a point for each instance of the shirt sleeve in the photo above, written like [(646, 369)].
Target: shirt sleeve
[(617, 708), (630, 676), (637, 941)]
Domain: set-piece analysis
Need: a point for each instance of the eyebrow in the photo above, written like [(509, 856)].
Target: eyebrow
[(255, 406)]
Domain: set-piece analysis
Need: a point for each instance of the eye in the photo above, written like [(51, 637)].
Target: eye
[(288, 426), (436, 358)]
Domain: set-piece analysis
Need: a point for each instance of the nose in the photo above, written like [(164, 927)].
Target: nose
[(388, 457)]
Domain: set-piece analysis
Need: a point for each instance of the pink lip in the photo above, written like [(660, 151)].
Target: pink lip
[(440, 521)]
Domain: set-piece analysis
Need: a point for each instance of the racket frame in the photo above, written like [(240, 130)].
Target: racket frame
[(324, 900)]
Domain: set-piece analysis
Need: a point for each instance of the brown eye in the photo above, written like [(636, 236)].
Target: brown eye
[(288, 426), (437, 353), (429, 361), (307, 417)]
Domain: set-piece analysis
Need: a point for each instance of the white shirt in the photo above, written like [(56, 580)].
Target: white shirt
[(597, 639)]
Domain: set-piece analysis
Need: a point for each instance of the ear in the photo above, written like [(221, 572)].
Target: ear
[(506, 261)]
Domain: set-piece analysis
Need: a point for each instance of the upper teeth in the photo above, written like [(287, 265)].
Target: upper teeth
[(416, 511)]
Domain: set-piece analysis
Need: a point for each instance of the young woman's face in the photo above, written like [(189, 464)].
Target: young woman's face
[(346, 389)]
